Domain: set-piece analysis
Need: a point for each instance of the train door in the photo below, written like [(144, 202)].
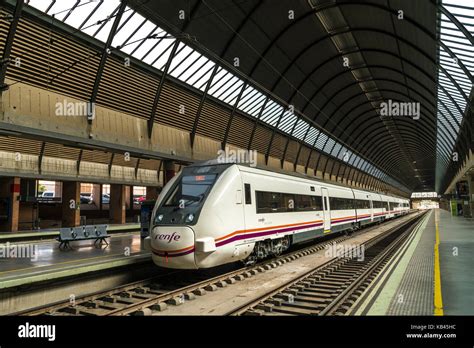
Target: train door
[(326, 210), (371, 210)]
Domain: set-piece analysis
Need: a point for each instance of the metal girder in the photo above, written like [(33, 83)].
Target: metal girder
[(366, 129), (327, 6), (368, 102), (78, 163), (105, 54), (267, 152), (111, 161), (458, 24), (287, 143), (204, 96), (159, 170), (449, 96), (295, 164), (368, 66), (151, 120), (254, 129), (383, 7), (231, 116), (201, 104), (345, 53), (41, 155), (310, 154), (7, 47), (137, 166)]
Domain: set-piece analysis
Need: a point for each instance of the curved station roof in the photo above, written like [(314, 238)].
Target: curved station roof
[(382, 86)]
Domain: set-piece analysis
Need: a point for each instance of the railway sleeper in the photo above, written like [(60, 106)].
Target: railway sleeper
[(310, 299), (266, 307), (275, 301), (254, 312), (176, 301), (110, 299), (160, 306), (109, 305), (70, 310), (303, 306)]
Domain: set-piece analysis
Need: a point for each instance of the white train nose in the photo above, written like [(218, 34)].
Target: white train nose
[(173, 246)]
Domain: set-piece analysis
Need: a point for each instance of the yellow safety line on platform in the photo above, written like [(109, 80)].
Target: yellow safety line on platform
[(438, 297)]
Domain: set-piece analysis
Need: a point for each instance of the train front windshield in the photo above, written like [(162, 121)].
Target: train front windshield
[(183, 203), (190, 191)]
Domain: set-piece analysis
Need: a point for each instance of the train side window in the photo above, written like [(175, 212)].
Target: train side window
[(269, 202), (303, 203), (317, 202), (289, 201), (338, 203), (362, 204), (248, 194), (277, 202), (308, 203)]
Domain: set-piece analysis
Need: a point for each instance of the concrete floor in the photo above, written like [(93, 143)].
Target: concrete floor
[(456, 250), (410, 288), (46, 254)]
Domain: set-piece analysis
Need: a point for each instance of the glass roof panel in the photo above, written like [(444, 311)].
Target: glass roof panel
[(60, 9), (146, 41), (449, 117)]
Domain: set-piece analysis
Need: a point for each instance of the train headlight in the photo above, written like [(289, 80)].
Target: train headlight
[(160, 217), (189, 218)]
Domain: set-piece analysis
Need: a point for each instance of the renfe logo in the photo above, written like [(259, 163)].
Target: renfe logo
[(169, 237), (32, 331)]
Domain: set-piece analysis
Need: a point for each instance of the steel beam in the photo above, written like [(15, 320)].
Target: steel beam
[(78, 163), (137, 166), (267, 153), (41, 155), (110, 163), (254, 129), (201, 104), (105, 54), (151, 120), (7, 47), (232, 114)]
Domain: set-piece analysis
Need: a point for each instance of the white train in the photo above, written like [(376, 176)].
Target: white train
[(211, 214)]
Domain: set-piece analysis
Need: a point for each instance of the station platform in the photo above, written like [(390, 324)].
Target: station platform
[(47, 262), (431, 274), (54, 232)]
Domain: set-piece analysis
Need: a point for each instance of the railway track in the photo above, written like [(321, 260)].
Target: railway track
[(333, 288), (153, 295)]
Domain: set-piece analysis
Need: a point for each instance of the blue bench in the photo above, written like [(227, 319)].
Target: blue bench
[(71, 234)]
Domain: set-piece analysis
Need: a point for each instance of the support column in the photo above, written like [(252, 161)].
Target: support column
[(97, 194), (117, 204), (151, 193), (470, 185), (168, 171), (9, 204), (71, 213), (58, 189), (128, 197)]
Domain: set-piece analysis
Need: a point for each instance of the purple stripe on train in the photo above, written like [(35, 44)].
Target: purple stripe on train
[(266, 233), (242, 236)]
